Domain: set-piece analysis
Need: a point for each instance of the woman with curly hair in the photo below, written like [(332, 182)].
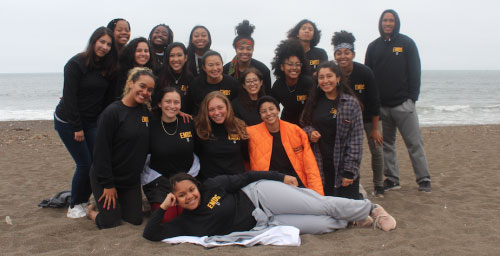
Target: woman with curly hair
[(200, 41), (220, 137), (362, 81), (309, 35), (245, 106), (137, 53), (160, 37), (243, 43), (333, 120), (292, 82), (175, 73)]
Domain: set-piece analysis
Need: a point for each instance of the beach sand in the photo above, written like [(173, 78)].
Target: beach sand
[(460, 217)]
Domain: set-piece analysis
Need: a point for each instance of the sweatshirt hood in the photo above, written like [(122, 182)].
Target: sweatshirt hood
[(395, 32)]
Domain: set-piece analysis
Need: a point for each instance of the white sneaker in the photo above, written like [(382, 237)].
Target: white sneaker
[(78, 211)]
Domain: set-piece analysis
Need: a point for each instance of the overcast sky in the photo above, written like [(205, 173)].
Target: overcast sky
[(40, 36)]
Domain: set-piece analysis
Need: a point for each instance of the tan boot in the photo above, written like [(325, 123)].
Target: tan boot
[(383, 220)]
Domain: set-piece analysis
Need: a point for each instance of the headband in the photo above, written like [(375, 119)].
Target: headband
[(343, 45), (244, 41)]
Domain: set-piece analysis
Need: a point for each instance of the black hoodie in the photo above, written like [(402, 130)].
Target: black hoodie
[(396, 65)]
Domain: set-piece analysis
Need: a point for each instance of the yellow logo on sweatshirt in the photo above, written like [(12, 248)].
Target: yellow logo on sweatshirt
[(214, 201), (397, 49), (233, 137), (184, 88), (359, 87), (145, 119), (226, 92), (313, 62), (301, 97), (185, 135)]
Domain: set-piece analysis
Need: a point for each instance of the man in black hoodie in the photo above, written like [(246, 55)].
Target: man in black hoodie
[(394, 59)]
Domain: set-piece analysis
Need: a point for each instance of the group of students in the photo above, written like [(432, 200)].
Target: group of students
[(153, 114)]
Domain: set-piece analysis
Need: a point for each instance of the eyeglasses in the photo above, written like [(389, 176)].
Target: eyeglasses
[(254, 81), (298, 64)]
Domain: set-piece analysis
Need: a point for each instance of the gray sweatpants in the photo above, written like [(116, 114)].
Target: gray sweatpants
[(281, 204), (403, 117), (377, 155)]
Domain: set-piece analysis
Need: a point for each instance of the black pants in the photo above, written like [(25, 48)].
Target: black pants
[(128, 206), (351, 191)]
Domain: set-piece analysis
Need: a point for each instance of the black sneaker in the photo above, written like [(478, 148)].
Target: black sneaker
[(378, 192), (389, 185), (424, 186)]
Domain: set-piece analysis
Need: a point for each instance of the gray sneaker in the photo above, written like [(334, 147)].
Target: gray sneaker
[(424, 186)]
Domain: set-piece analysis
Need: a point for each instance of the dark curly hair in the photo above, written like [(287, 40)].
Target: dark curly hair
[(244, 30), (315, 93), (343, 37), (170, 37), (294, 32), (285, 50), (112, 24)]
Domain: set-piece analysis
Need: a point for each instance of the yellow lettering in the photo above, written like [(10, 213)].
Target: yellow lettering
[(301, 97), (145, 119), (226, 92), (185, 135), (397, 49), (233, 137), (215, 199), (358, 87), (184, 88), (313, 62), (333, 111)]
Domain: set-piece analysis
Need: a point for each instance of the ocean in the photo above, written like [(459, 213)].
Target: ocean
[(446, 97)]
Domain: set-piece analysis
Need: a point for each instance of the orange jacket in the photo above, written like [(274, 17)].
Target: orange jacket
[(297, 147)]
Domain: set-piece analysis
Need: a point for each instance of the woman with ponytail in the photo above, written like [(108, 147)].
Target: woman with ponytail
[(243, 43)]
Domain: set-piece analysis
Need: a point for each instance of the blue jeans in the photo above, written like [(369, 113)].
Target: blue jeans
[(82, 155)]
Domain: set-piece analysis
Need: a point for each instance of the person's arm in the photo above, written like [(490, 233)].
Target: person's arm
[(372, 108), (313, 176), (414, 71), (72, 76), (103, 150), (233, 183), (368, 56), (352, 152)]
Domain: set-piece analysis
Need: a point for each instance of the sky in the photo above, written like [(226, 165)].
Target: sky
[(450, 35)]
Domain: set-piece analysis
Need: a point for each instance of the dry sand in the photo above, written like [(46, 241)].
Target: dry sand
[(460, 217)]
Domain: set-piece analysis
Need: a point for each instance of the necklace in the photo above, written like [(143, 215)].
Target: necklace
[(291, 90), (165, 130)]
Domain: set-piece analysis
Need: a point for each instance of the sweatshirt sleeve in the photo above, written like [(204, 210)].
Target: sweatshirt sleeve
[(414, 71), (233, 183), (368, 55), (154, 230), (373, 106), (103, 149), (72, 77), (267, 81)]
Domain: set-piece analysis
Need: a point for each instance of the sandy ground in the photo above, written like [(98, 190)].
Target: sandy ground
[(460, 217)]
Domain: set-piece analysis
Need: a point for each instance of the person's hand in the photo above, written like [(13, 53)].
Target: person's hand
[(185, 117), (347, 182), (377, 138), (169, 201), (315, 136), (290, 180), (109, 195), (79, 136)]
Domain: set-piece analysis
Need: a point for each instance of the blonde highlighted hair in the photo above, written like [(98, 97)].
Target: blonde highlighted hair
[(233, 124), (133, 75)]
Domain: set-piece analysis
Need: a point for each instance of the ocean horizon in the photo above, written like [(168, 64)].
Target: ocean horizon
[(447, 97)]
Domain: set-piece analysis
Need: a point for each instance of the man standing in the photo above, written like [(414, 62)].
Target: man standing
[(394, 59)]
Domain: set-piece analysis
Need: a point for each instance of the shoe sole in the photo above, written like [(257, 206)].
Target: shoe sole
[(377, 195), (392, 188)]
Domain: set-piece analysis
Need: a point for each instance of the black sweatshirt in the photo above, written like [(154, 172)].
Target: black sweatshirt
[(223, 209), (362, 82), (266, 73), (396, 65), (293, 98), (250, 116), (279, 159), (171, 154), (121, 147), (181, 82), (83, 94), (314, 57), (200, 88), (222, 154)]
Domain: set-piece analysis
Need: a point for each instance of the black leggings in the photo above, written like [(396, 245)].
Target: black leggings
[(128, 207)]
